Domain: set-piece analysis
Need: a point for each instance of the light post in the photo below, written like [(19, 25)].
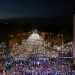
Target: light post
[(62, 40), (19, 38), (50, 36)]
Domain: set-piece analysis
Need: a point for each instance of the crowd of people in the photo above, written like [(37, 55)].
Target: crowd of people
[(35, 46), (39, 67)]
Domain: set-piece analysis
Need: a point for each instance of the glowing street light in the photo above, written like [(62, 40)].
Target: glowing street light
[(10, 35), (50, 36), (62, 39)]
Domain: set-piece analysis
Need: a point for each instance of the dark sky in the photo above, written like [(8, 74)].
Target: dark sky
[(35, 8)]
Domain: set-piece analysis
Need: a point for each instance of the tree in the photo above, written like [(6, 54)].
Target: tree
[(67, 34), (9, 29)]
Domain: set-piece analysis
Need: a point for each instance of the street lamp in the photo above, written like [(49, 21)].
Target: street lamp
[(50, 36), (62, 39)]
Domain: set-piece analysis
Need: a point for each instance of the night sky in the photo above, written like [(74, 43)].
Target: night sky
[(35, 8), (44, 15)]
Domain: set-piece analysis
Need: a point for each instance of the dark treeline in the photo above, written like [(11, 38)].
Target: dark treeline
[(9, 29), (14, 29)]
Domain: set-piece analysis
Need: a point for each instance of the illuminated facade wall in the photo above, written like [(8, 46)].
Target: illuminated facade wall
[(74, 36)]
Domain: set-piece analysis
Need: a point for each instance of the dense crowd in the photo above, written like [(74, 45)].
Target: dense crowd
[(35, 46), (39, 67)]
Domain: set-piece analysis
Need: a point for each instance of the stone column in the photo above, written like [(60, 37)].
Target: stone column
[(7, 46), (73, 35)]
